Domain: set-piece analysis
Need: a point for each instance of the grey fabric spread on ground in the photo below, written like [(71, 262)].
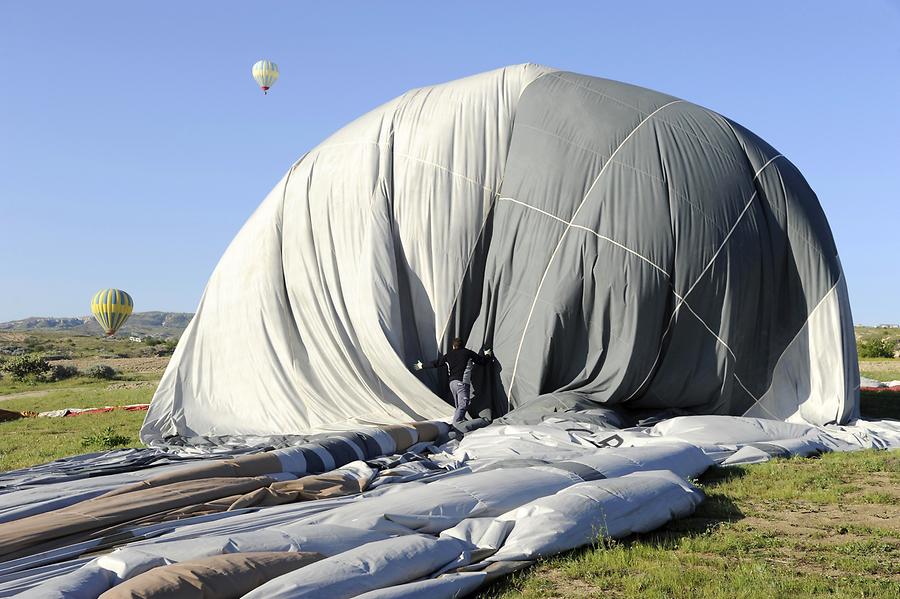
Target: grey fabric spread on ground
[(506, 493)]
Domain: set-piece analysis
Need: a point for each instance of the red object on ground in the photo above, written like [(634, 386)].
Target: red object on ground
[(894, 389), (138, 407)]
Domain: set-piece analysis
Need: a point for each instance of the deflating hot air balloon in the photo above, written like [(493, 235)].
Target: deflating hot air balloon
[(266, 74), (638, 252), (111, 308)]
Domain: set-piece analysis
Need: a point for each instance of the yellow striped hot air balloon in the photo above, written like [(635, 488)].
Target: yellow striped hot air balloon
[(266, 74), (111, 308)]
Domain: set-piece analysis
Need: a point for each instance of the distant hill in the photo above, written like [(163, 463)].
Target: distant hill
[(156, 324)]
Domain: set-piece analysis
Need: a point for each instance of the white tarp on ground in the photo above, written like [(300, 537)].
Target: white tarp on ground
[(502, 496)]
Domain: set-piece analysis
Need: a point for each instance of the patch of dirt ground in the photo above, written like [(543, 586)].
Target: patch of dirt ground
[(13, 337), (886, 364), (131, 385), (24, 395), (138, 365), (828, 523)]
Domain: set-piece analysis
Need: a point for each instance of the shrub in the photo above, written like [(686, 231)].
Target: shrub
[(29, 367), (167, 347), (876, 348), (107, 438), (59, 372), (102, 371)]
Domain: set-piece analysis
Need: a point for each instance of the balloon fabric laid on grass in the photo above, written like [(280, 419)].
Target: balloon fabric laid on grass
[(265, 72), (621, 250), (111, 308)]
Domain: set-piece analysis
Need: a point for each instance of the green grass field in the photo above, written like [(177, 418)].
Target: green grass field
[(31, 441), (75, 346), (798, 528), (788, 528), (784, 529)]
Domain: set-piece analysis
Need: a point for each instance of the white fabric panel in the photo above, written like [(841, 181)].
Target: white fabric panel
[(683, 459), (549, 441), (20, 582), (342, 273), (728, 430), (558, 441), (866, 434), (437, 506), (816, 379), (582, 513), (371, 566), (747, 455), (385, 442), (84, 582), (292, 459)]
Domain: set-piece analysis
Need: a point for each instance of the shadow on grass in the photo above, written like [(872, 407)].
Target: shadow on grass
[(878, 405), (715, 510)]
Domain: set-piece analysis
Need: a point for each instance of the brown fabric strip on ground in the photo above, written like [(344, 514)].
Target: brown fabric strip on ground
[(316, 486), (215, 506), (428, 431), (120, 534), (8, 415), (105, 511), (403, 436), (227, 576), (258, 464)]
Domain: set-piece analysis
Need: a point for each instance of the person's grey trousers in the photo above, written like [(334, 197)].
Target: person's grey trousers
[(460, 392)]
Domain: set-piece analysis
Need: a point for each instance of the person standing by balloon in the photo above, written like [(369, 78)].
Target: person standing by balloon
[(458, 362)]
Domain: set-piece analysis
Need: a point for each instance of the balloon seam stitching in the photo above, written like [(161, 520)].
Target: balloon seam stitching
[(683, 300), (639, 111), (589, 230), (565, 232), (494, 197)]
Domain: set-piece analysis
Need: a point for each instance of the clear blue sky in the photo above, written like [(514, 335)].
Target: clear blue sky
[(134, 144)]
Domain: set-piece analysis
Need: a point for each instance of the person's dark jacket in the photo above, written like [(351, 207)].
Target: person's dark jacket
[(457, 363)]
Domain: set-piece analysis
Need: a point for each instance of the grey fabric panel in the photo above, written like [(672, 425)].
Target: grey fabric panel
[(558, 150), (674, 201), (568, 405)]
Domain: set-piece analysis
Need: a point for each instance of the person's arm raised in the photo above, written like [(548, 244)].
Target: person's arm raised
[(481, 360), (419, 365)]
